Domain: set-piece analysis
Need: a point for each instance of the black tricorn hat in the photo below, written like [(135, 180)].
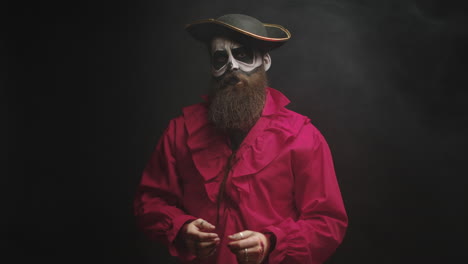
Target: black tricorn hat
[(242, 28)]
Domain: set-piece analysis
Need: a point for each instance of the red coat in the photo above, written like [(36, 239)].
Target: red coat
[(282, 181)]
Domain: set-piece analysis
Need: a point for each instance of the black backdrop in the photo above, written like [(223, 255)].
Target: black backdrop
[(92, 85)]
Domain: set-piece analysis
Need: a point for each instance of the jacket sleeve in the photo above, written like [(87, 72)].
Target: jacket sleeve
[(158, 201), (322, 221)]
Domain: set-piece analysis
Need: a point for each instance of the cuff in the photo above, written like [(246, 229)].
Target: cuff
[(178, 249), (271, 245), (277, 246)]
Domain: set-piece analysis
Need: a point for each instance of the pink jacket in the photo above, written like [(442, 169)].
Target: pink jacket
[(282, 182)]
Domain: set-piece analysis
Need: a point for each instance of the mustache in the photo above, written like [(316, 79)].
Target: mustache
[(232, 78)]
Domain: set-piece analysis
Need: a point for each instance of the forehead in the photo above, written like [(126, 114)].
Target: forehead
[(222, 43)]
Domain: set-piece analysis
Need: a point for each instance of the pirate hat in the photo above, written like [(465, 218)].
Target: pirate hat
[(242, 28)]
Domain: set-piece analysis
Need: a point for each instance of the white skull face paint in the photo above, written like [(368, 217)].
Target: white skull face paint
[(227, 55)]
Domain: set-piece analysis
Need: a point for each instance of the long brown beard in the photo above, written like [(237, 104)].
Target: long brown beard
[(237, 100)]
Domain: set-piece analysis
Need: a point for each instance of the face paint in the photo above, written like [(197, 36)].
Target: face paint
[(229, 55)]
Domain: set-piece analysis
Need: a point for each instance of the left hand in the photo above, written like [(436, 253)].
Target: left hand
[(249, 247), (199, 238)]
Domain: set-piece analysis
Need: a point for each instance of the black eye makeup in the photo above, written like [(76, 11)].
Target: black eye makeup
[(219, 59), (243, 54)]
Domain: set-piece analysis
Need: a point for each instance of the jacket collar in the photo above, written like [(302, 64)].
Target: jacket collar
[(263, 143)]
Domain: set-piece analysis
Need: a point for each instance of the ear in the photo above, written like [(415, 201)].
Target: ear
[(266, 61)]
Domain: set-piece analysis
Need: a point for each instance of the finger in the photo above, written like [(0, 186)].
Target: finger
[(203, 224), (199, 222), (241, 235), (209, 244), (250, 255), (204, 237), (194, 233), (201, 236), (205, 249), (250, 242), (245, 256)]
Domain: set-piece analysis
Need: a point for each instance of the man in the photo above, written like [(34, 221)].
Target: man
[(240, 178)]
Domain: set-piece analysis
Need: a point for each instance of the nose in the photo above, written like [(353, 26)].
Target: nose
[(232, 64)]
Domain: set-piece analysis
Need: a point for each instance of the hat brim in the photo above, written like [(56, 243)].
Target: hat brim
[(204, 30)]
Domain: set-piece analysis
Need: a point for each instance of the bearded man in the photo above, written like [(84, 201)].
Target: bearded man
[(240, 178)]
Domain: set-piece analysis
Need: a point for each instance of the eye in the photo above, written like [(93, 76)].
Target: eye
[(243, 54), (219, 58)]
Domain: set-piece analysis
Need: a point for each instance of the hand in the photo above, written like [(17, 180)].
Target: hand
[(199, 242), (249, 246)]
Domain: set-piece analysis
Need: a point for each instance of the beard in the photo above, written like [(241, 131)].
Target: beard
[(237, 100)]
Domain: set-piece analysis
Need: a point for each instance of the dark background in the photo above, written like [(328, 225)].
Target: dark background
[(90, 86)]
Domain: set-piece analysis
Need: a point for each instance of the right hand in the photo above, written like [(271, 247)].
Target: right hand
[(198, 239)]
